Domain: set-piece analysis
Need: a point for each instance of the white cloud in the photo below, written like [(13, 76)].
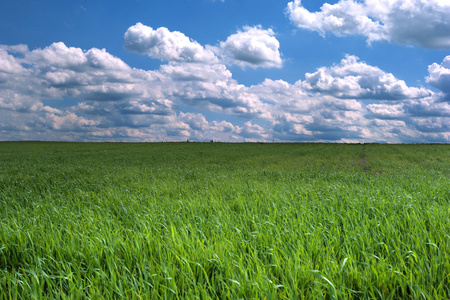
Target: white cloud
[(222, 126), (355, 79), (440, 76), (196, 121), (67, 121), (210, 87), (64, 93), (21, 48), (422, 22), (417, 120), (253, 132), (166, 45), (283, 94), (346, 17), (8, 64), (387, 111), (58, 55), (437, 127), (252, 47), (301, 114), (143, 107), (113, 95), (432, 107), (58, 72), (196, 72), (100, 59)]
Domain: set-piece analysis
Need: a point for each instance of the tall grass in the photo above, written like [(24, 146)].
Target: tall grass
[(209, 220)]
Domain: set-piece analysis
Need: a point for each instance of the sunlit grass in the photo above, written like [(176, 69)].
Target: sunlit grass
[(191, 220)]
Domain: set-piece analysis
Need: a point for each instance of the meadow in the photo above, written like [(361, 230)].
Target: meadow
[(224, 221)]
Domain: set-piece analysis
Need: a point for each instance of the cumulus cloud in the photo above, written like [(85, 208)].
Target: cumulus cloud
[(252, 47), (195, 121), (8, 63), (253, 132), (355, 79), (421, 22), (161, 107), (440, 76), (386, 111), (211, 87), (58, 55), (64, 93), (67, 121), (420, 120), (58, 72), (166, 45), (112, 95), (196, 72), (21, 48), (222, 126), (301, 114), (346, 17)]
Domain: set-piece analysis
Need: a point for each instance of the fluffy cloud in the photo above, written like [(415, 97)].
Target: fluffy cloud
[(301, 114), (67, 121), (162, 107), (421, 22), (196, 72), (355, 79), (222, 126), (108, 87), (66, 93), (211, 87), (21, 48), (425, 120), (344, 17), (386, 111), (253, 132), (166, 45), (253, 47), (111, 95), (58, 55), (440, 76), (8, 63)]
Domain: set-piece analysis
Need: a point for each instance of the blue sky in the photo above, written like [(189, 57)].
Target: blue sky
[(231, 70)]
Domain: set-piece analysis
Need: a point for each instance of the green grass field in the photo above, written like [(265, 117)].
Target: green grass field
[(224, 221)]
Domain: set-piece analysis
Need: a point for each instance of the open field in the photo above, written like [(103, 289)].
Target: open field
[(211, 220)]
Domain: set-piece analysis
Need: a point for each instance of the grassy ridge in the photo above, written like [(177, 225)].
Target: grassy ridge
[(191, 220)]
